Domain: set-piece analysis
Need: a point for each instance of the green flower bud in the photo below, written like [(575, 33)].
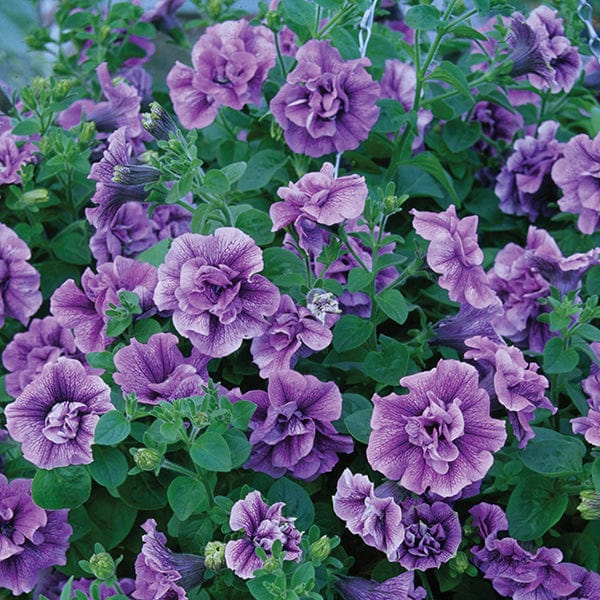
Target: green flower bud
[(158, 122), (39, 84), (33, 197), (61, 88), (104, 32), (148, 459), (214, 555), (271, 565), (276, 131), (214, 8), (459, 563), (88, 132), (320, 549), (102, 565), (272, 19), (589, 508)]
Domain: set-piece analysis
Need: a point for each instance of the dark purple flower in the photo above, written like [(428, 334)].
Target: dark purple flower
[(293, 331), (378, 521), (162, 16), (440, 435), (432, 536), (589, 583), (454, 253), (27, 354), (524, 185), (31, 538), (230, 61), (85, 311), (292, 431), (328, 104), (171, 221), (497, 123), (141, 80), (56, 415), (157, 370), (488, 519), (161, 574), (527, 54), (13, 156), (401, 587), (20, 295), (127, 587), (210, 282), (49, 583), (320, 197), (263, 525), (578, 175)]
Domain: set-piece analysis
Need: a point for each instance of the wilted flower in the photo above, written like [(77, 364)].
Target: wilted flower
[(401, 587), (327, 104), (438, 437)]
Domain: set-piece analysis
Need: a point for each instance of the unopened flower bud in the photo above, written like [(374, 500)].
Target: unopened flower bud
[(589, 507), (214, 555), (276, 131), (61, 88), (88, 132), (104, 32), (214, 8), (135, 174), (148, 459), (33, 197), (320, 549), (459, 563), (39, 84), (271, 565), (102, 565), (158, 122), (272, 19)]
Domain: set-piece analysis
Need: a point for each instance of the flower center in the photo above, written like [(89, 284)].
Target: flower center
[(62, 422), (423, 540)]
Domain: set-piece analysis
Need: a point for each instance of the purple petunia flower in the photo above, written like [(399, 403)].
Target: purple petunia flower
[(438, 437), (161, 574), (432, 536), (377, 520), (31, 538), (292, 431), (524, 185), (454, 253), (157, 370), (162, 16), (401, 587), (527, 55), (263, 525), (13, 155), (488, 519), (588, 426), (328, 104), (210, 283), (589, 583), (293, 331), (497, 123), (127, 586), (230, 61), (320, 197), (20, 295), (85, 311), (56, 415), (578, 175), (27, 354)]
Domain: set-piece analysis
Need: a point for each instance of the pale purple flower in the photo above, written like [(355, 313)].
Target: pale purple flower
[(454, 253), (320, 197), (14, 154), (293, 331), (55, 416), (20, 295), (287, 41), (591, 384), (328, 104), (263, 525), (31, 538), (377, 520), (292, 431), (230, 61), (588, 426), (84, 311), (578, 175), (157, 370), (141, 80), (28, 352), (210, 282), (170, 220), (524, 185), (401, 587), (432, 536), (162, 16), (440, 435), (161, 574)]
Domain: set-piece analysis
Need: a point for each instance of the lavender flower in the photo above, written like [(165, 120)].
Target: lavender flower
[(438, 437), (85, 311), (524, 185), (292, 431), (13, 156), (170, 221), (589, 583), (578, 175), (327, 104), (20, 295), (432, 536), (162, 16), (231, 61), (211, 285), (588, 426), (401, 587), (157, 370), (161, 574), (293, 331), (31, 539), (56, 415), (25, 357), (454, 253), (378, 521), (263, 525)]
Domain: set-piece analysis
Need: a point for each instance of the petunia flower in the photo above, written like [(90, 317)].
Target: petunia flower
[(401, 587)]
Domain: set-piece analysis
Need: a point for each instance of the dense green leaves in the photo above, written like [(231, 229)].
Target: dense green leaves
[(63, 487), (350, 332)]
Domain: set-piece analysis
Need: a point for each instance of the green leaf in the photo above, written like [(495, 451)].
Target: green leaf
[(554, 457), (111, 521), (483, 6), (242, 412), (234, 171), (393, 304), (26, 127), (389, 365), (359, 279), (239, 447), (143, 492), (535, 505), (459, 135), (359, 424), (112, 428), (71, 244), (215, 182), (257, 224), (297, 502), (63, 487), (596, 474), (392, 116), (211, 452), (155, 255), (100, 360), (558, 360), (450, 73), (350, 332), (423, 17), (300, 16), (186, 496), (430, 163), (144, 329), (261, 168), (109, 467)]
